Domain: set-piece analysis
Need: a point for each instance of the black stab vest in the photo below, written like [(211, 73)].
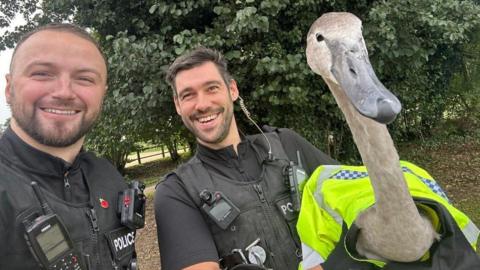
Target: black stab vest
[(265, 206), (18, 202)]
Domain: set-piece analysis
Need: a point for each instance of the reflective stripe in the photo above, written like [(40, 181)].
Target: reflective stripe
[(310, 257), (471, 232), (324, 175), (430, 183)]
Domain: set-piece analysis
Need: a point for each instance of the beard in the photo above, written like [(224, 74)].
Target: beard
[(56, 134), (221, 131)]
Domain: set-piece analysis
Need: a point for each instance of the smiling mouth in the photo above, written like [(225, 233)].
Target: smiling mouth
[(208, 118), (59, 111)]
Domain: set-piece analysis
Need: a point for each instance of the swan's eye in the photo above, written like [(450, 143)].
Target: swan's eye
[(319, 37)]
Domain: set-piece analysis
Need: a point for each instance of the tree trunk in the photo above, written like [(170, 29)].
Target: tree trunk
[(172, 149)]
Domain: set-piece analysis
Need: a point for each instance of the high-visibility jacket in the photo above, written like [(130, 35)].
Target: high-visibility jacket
[(334, 196)]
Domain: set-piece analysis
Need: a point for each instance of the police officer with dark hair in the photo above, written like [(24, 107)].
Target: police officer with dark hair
[(58, 202), (228, 207)]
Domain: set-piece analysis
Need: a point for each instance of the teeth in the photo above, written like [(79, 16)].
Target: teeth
[(62, 112), (207, 118)]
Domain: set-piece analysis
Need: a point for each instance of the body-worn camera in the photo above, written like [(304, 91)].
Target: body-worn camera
[(294, 177), (48, 238), (219, 208), (131, 206)]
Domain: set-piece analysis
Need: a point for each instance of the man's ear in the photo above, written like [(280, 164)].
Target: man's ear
[(233, 90), (8, 88)]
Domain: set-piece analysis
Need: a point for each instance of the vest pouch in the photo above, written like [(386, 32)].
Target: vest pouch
[(15, 246), (251, 224), (285, 206), (79, 247), (17, 252), (247, 227)]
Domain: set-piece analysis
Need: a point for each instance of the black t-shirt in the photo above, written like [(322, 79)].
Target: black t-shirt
[(184, 238)]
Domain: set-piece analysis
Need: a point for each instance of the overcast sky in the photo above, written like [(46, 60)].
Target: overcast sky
[(5, 57), (4, 63)]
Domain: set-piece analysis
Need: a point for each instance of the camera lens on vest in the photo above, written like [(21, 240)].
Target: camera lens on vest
[(206, 196), (219, 208), (131, 206)]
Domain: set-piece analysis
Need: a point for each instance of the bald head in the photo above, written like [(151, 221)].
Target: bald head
[(57, 27)]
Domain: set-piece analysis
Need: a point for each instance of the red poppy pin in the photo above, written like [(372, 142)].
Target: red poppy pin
[(103, 203)]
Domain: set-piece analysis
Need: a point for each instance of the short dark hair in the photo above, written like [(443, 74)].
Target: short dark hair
[(59, 27), (195, 58)]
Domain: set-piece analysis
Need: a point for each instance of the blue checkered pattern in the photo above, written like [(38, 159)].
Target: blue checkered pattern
[(430, 183), (349, 175)]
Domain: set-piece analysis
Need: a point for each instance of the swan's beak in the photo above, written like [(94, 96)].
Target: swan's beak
[(353, 71)]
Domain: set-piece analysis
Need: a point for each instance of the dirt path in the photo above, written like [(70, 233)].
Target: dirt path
[(146, 242)]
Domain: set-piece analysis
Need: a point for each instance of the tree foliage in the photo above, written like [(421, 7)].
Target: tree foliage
[(416, 47)]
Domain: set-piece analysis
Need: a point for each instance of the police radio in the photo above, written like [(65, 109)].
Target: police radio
[(48, 238), (294, 178), (131, 206), (219, 208)]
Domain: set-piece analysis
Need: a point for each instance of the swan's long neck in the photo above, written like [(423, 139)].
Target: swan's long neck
[(379, 156), (392, 229)]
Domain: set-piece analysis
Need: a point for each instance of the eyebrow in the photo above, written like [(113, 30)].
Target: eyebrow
[(51, 65), (89, 70), (207, 83), (39, 63)]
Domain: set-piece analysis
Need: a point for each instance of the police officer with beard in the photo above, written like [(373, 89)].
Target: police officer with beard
[(58, 202), (228, 207)]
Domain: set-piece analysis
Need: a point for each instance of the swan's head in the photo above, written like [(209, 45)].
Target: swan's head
[(336, 51)]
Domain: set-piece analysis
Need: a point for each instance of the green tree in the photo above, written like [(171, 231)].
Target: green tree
[(415, 46), (464, 108)]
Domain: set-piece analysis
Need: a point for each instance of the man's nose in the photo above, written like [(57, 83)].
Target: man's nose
[(63, 89), (203, 102)]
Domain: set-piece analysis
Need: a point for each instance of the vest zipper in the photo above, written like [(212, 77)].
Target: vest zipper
[(94, 222), (258, 188), (66, 185), (269, 218)]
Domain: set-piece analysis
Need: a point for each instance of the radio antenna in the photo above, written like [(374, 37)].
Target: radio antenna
[(299, 159), (41, 198), (248, 115)]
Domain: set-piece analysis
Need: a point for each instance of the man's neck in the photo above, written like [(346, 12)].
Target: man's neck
[(68, 153), (221, 145), (233, 139)]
